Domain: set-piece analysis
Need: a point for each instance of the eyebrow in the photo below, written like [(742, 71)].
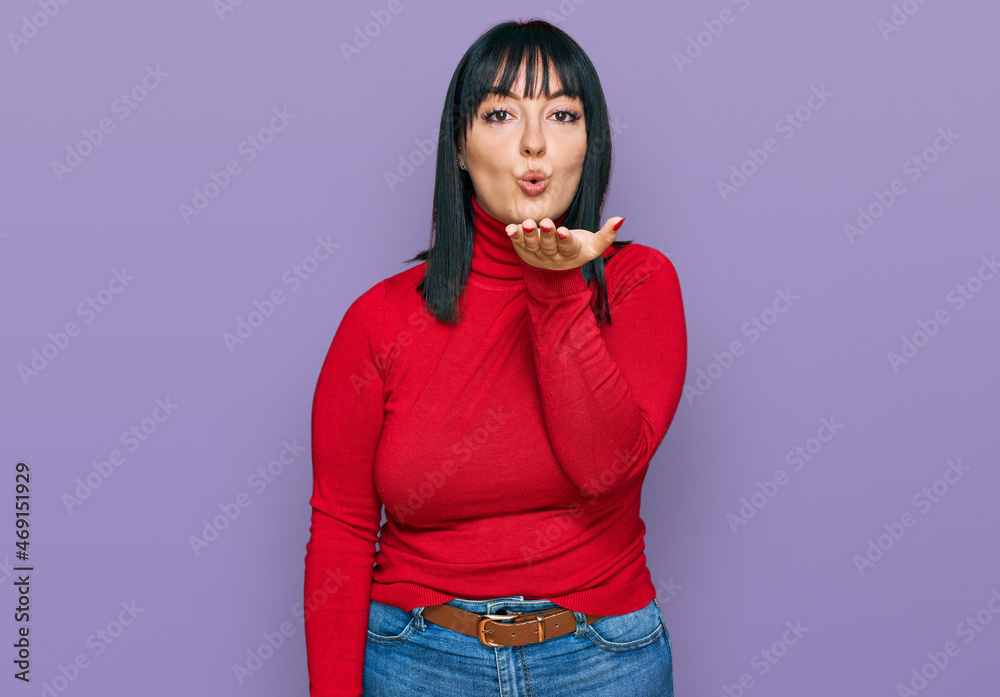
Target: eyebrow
[(510, 95)]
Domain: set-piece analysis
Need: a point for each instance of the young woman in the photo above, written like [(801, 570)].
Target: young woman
[(503, 400)]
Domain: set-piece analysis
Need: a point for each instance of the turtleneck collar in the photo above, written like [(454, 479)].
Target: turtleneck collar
[(493, 254)]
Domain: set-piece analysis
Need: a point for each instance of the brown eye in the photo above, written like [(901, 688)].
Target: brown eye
[(496, 111), (572, 116)]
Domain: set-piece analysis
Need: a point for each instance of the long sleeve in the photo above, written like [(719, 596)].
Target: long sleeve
[(609, 394), (347, 421)]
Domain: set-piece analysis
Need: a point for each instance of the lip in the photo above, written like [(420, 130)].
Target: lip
[(541, 182), (530, 174), (533, 189)]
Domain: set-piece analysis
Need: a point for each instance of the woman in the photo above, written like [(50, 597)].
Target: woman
[(503, 400)]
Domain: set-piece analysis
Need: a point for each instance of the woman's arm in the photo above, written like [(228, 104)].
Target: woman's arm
[(609, 394), (347, 418)]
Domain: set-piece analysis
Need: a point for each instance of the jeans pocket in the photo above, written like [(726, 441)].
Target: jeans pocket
[(666, 631), (628, 632), (387, 624)]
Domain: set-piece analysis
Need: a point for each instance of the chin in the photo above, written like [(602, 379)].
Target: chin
[(540, 206)]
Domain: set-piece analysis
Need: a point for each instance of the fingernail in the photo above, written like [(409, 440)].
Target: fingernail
[(529, 229), (546, 229), (618, 225), (561, 236)]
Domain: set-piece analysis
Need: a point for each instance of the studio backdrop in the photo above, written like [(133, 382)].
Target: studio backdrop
[(192, 194)]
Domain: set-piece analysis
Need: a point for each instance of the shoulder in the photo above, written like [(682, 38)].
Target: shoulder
[(405, 282), (362, 319), (388, 290), (369, 311)]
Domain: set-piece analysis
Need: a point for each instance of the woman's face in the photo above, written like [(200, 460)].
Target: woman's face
[(511, 136)]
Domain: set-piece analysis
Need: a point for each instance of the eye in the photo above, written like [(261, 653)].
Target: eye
[(571, 116), (568, 116), (487, 116)]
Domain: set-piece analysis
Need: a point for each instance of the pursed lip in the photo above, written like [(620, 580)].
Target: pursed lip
[(535, 189), (535, 175)]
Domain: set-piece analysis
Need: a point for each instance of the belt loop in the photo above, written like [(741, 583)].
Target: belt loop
[(581, 624), (418, 615)]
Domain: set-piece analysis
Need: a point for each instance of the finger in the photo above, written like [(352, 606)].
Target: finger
[(549, 242), (609, 232), (514, 233), (531, 240)]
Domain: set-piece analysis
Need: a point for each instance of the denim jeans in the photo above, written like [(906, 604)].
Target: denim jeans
[(619, 655)]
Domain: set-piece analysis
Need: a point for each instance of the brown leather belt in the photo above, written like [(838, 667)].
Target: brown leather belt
[(523, 628)]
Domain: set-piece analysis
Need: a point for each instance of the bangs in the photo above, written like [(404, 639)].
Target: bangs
[(496, 70)]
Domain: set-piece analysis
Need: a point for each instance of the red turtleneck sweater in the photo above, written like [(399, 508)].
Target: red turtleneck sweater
[(509, 450)]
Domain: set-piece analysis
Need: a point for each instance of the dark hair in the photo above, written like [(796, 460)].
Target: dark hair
[(507, 45)]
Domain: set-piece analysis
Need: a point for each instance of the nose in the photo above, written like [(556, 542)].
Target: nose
[(532, 139)]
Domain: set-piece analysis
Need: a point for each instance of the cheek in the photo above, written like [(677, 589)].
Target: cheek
[(492, 159), (575, 169), (576, 153)]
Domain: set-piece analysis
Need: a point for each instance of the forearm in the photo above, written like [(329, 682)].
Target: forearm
[(337, 595), (610, 393)]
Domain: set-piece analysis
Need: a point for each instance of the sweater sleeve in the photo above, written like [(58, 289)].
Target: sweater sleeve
[(347, 419), (608, 394)]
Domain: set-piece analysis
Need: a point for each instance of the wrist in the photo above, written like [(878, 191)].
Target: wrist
[(552, 282)]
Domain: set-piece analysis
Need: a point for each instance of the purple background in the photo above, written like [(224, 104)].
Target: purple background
[(681, 127)]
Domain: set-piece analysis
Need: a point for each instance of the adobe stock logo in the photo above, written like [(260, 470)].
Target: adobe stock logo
[(563, 11), (924, 501), (233, 508), (381, 19), (275, 640), (899, 16), (293, 277), (122, 107), (223, 7), (937, 661), (30, 26), (959, 295), (915, 167), (133, 438), (60, 339), (98, 642), (765, 659), (797, 458), (250, 147), (555, 527), (753, 328), (786, 126), (706, 38)]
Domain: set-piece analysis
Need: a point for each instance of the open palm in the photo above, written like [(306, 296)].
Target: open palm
[(557, 249)]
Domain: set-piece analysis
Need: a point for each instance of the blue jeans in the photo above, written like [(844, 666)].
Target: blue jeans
[(619, 655)]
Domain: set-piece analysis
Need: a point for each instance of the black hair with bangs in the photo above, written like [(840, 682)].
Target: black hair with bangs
[(491, 66)]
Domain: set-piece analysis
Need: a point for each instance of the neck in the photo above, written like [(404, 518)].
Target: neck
[(493, 254)]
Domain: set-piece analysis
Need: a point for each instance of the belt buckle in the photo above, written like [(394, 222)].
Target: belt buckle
[(483, 619), (486, 618)]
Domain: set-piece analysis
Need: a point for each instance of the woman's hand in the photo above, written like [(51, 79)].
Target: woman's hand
[(546, 247)]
